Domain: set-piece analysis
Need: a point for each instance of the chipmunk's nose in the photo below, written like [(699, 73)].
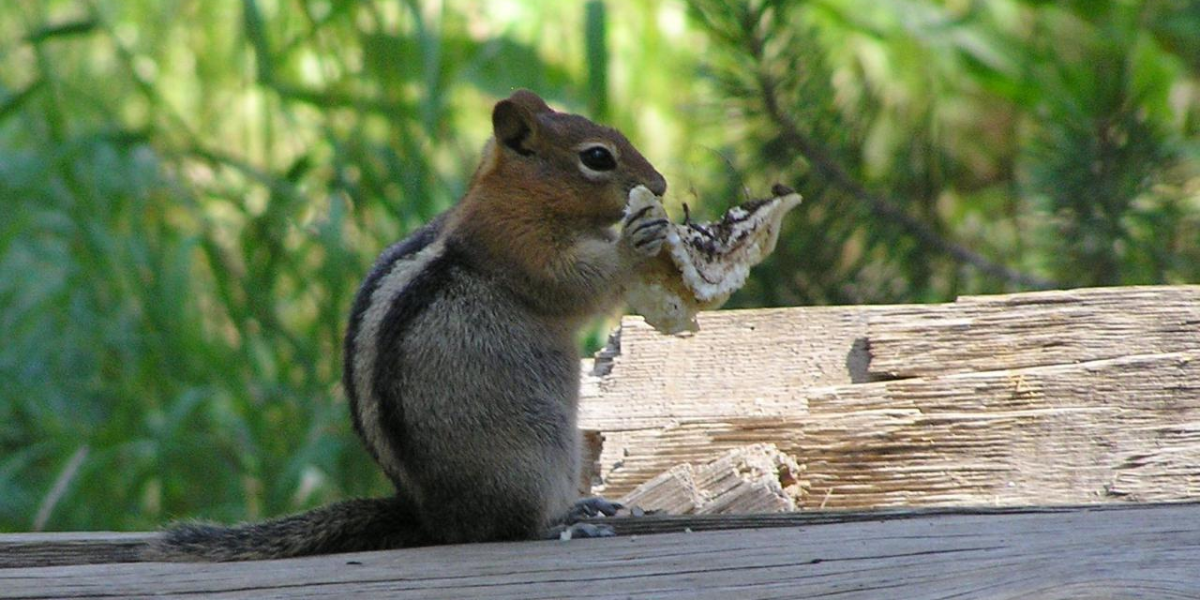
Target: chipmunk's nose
[(657, 184)]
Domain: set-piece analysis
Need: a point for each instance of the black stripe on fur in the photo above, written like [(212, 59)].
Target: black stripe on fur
[(418, 295), (411, 245)]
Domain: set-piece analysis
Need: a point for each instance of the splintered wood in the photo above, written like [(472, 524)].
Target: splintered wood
[(754, 479), (1073, 397)]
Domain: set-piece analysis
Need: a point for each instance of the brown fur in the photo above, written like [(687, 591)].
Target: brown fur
[(542, 217)]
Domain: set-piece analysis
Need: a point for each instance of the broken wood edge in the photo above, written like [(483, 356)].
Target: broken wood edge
[(755, 478)]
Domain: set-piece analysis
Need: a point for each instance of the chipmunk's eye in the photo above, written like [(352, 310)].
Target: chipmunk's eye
[(598, 158)]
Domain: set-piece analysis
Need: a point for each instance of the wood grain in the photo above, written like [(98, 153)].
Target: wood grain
[(745, 362), (741, 364), (1051, 429), (1121, 552), (77, 548), (1121, 429), (751, 479), (992, 333), (37, 550)]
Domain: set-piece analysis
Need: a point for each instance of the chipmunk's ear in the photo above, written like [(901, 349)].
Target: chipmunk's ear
[(514, 120)]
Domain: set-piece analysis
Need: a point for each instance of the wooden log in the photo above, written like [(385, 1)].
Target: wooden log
[(739, 364), (1122, 429), (1119, 429), (992, 333), (1119, 552), (1079, 431)]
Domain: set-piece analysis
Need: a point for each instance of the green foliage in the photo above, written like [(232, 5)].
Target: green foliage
[(191, 191), (940, 145)]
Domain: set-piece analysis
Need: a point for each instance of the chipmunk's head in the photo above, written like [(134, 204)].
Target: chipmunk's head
[(563, 163)]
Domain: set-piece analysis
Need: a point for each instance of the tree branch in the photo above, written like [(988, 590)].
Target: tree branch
[(881, 206)]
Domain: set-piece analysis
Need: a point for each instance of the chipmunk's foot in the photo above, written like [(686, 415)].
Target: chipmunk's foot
[(593, 506)]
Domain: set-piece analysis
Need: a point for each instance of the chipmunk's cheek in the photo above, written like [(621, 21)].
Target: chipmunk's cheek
[(611, 214)]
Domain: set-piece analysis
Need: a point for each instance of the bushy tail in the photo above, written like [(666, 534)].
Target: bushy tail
[(349, 526)]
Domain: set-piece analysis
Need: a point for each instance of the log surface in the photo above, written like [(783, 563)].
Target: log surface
[(82, 548), (991, 333), (1127, 551), (1044, 398)]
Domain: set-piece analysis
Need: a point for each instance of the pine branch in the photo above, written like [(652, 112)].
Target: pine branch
[(828, 167)]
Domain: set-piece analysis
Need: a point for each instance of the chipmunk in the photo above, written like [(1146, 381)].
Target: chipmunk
[(460, 356)]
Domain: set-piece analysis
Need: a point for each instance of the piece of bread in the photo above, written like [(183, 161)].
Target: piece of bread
[(702, 264)]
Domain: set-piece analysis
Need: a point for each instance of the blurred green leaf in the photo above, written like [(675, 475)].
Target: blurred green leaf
[(595, 39), (15, 102), (59, 30)]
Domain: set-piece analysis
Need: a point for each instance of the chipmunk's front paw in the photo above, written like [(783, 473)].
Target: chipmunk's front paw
[(645, 226), (594, 506)]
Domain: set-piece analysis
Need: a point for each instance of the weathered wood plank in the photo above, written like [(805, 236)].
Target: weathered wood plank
[(53, 549), (29, 550), (752, 377), (1130, 552), (992, 333), (37, 550), (739, 364), (1121, 429), (1118, 429), (743, 362)]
